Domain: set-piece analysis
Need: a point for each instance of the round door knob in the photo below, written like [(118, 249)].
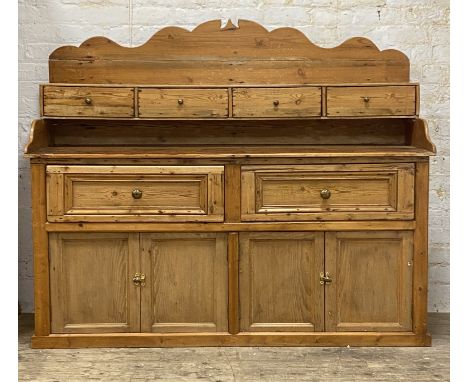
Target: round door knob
[(366, 99), (275, 102), (137, 194), (88, 101), (180, 101), (325, 194)]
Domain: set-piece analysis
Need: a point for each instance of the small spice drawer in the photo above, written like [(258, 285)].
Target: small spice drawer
[(135, 193), (351, 101), (277, 102), (84, 101), (327, 192), (182, 103)]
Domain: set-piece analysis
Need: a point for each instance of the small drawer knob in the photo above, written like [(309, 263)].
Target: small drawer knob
[(325, 194), (325, 278), (137, 194), (88, 101), (275, 103), (180, 101), (366, 99)]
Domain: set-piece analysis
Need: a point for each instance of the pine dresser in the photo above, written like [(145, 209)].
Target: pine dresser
[(229, 186)]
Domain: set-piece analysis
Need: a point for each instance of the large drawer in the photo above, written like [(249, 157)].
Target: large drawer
[(135, 193), (328, 192), (277, 102), (88, 101), (182, 103), (375, 101)]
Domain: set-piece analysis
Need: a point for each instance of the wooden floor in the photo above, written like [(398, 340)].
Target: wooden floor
[(238, 364)]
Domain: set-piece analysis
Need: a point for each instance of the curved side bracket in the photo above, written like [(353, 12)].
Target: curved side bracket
[(420, 136), (38, 137)]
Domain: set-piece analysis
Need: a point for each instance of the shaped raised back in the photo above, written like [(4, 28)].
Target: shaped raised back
[(211, 55)]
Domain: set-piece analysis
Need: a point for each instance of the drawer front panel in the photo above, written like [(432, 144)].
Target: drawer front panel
[(277, 102), (371, 101), (329, 192), (183, 103), (77, 101), (135, 193)]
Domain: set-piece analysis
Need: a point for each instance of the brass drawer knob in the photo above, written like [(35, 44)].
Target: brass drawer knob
[(366, 99), (325, 194), (275, 103), (139, 279), (88, 101), (325, 278), (137, 194), (180, 101)]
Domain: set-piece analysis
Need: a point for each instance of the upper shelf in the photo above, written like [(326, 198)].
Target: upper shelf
[(233, 55), (222, 139)]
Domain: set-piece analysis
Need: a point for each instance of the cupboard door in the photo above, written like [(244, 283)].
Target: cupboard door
[(186, 282), (279, 281), (91, 282), (371, 287)]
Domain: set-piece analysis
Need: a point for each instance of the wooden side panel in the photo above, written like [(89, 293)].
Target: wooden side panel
[(75, 101), (211, 55), (279, 281), (39, 136), (91, 282), (277, 102), (182, 103), (361, 191), (186, 282), (421, 261), (371, 101), (419, 136), (41, 251), (371, 288)]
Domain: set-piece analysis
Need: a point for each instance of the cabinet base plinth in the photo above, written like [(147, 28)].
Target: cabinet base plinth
[(66, 341)]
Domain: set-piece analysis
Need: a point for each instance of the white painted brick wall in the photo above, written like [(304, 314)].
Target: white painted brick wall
[(419, 28)]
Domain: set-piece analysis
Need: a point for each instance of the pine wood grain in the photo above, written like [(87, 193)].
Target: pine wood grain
[(366, 191), (211, 55), (173, 340), (233, 193), (421, 251), (371, 288), (371, 101), (41, 250), (186, 285), (72, 132), (279, 286), (93, 193), (276, 102), (182, 103), (226, 152), (59, 101), (91, 283), (229, 227), (233, 280)]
